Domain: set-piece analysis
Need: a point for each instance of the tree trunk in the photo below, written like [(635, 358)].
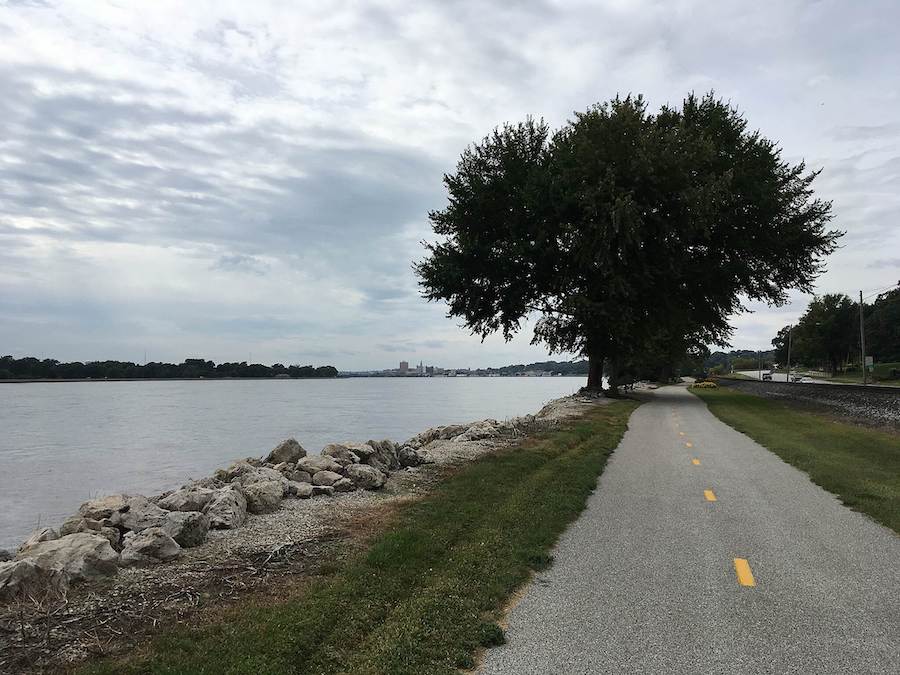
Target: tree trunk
[(595, 372), (612, 391)]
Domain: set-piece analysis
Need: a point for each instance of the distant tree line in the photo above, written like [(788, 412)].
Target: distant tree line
[(552, 367), (827, 335), (50, 369), (739, 359)]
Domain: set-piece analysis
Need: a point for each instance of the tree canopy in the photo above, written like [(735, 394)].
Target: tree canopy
[(827, 335), (631, 235), (51, 369)]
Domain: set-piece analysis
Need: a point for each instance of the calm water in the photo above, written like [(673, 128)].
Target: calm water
[(64, 443)]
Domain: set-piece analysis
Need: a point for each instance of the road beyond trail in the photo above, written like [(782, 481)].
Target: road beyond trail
[(703, 552)]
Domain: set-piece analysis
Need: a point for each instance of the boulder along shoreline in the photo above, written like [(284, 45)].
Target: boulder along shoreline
[(125, 564)]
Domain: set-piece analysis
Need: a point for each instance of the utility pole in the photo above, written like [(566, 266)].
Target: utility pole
[(862, 339), (759, 362), (790, 331)]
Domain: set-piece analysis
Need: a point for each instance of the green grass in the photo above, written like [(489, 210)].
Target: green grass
[(859, 465), (428, 592)]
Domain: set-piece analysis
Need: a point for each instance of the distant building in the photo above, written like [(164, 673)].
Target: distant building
[(421, 369), (404, 367)]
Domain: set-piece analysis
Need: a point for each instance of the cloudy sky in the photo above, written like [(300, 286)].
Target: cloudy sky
[(229, 179)]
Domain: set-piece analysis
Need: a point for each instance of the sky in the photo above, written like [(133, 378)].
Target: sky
[(251, 180)]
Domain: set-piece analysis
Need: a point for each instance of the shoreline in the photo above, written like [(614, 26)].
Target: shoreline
[(293, 540), (277, 379)]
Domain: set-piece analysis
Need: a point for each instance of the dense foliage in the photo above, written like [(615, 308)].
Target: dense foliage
[(827, 335), (739, 359), (50, 369), (553, 367), (633, 236), (883, 327)]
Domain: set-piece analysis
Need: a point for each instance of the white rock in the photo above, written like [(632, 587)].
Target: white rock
[(344, 485), (341, 454), (139, 513), (286, 451), (80, 555), (78, 524), (236, 469), (258, 475), (409, 456), (301, 490), (264, 496), (300, 477), (103, 507), (43, 534), (188, 528), (187, 499), (227, 509), (386, 452), (24, 579), (316, 463), (365, 476), (326, 478), (479, 431), (149, 546)]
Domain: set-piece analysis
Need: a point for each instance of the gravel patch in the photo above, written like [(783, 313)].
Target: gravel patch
[(872, 406)]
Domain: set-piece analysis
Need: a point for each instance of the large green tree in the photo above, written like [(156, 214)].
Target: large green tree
[(623, 229), (883, 327), (825, 335)]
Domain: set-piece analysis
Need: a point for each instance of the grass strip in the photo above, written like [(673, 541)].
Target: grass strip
[(429, 591), (859, 465)]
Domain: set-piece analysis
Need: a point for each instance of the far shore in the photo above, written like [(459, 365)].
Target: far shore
[(286, 379)]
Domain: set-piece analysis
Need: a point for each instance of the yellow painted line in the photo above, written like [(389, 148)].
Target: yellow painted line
[(695, 462), (681, 433), (710, 495), (689, 445), (744, 575)]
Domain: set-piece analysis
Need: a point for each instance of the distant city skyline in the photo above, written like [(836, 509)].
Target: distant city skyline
[(216, 179)]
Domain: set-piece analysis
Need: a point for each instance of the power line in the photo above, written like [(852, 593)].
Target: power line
[(879, 291)]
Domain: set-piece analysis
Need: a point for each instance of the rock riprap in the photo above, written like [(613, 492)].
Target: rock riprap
[(286, 451), (226, 509), (190, 498), (148, 546), (80, 555), (26, 579), (133, 530), (263, 496), (188, 528)]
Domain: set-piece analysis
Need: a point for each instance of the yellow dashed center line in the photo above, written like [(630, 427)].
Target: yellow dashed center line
[(744, 575), (689, 445), (710, 495), (681, 433), (695, 462)]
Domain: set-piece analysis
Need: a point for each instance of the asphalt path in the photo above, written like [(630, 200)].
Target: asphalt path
[(654, 577)]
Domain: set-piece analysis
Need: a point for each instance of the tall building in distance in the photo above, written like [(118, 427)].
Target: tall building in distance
[(404, 367)]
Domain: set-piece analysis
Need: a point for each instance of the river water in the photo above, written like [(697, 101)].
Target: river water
[(64, 443)]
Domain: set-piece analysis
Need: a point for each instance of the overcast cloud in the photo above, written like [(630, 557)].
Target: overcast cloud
[(223, 179)]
